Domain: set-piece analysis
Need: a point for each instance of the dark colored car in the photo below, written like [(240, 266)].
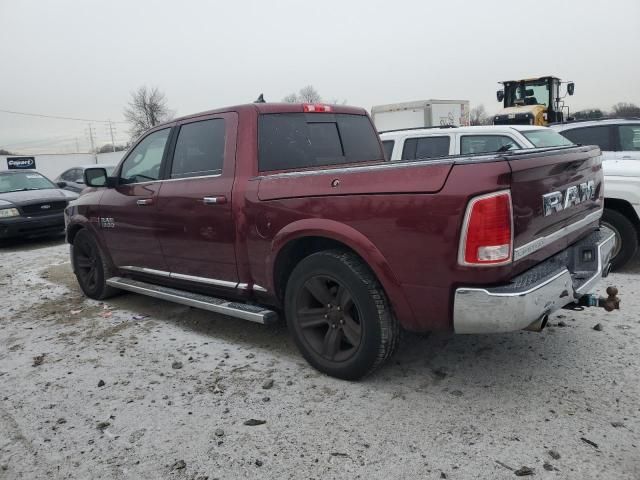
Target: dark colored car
[(31, 204), (266, 209), (73, 178)]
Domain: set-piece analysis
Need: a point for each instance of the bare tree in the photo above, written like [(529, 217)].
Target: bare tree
[(306, 94), (147, 108), (588, 113), (291, 98), (478, 116), (625, 110), (309, 94)]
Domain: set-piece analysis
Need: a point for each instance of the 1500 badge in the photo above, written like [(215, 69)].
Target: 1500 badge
[(561, 200)]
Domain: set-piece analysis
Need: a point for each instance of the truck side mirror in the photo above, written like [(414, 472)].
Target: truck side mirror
[(571, 88), (500, 95), (95, 177)]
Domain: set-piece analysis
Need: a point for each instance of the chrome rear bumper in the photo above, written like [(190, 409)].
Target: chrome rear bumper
[(529, 297)]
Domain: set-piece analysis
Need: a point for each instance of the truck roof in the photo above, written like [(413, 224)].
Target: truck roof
[(472, 129), (262, 108)]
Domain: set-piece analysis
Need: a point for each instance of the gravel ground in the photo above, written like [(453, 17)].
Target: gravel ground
[(140, 388)]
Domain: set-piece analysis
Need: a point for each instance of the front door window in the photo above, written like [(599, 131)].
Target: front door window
[(143, 163)]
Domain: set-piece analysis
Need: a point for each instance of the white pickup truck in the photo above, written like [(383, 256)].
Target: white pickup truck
[(619, 141), (410, 144)]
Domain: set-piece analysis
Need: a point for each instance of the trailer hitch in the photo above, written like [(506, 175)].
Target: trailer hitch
[(609, 303)]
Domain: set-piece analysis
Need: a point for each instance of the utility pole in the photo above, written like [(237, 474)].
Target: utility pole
[(93, 147), (113, 144)]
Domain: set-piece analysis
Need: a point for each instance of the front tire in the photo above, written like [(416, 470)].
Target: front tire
[(91, 267), (339, 315), (626, 237)]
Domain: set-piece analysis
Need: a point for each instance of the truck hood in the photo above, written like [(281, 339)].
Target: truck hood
[(30, 196), (621, 168)]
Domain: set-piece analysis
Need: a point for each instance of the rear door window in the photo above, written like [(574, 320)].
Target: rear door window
[(302, 140), (199, 149), (470, 144), (600, 136), (425, 147)]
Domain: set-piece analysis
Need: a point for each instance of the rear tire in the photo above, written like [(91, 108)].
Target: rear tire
[(626, 237), (91, 267), (339, 315)]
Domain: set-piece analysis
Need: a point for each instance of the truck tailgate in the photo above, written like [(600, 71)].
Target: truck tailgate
[(557, 195)]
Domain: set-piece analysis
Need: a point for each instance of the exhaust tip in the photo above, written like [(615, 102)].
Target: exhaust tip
[(539, 324)]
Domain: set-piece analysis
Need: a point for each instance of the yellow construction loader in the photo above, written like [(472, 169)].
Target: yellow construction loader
[(532, 101)]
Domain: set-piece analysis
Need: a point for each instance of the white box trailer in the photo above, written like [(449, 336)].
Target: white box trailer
[(420, 114)]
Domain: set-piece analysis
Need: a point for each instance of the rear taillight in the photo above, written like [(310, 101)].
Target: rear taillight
[(487, 232), (316, 107)]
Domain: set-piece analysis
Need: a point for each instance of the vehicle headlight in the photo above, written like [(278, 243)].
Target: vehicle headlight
[(9, 212)]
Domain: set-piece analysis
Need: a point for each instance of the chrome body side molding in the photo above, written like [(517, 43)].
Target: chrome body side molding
[(191, 278)]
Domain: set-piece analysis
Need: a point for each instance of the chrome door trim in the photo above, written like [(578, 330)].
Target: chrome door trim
[(193, 278), (148, 271), (205, 280), (539, 243)]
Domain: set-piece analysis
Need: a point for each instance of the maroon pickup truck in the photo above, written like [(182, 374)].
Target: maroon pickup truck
[(261, 210)]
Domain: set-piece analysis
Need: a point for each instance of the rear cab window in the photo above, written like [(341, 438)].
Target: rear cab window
[(289, 141), (475, 144), (546, 138)]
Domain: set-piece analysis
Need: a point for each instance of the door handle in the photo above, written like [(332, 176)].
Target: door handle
[(144, 201), (627, 157), (217, 200)]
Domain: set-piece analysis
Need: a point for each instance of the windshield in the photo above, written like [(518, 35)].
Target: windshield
[(16, 182), (546, 138), (529, 93)]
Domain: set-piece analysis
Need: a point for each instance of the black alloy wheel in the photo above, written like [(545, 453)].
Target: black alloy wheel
[(328, 318), (339, 315), (91, 267)]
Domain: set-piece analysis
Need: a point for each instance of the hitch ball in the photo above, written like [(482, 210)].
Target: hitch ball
[(612, 302)]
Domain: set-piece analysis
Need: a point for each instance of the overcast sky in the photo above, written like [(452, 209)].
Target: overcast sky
[(83, 58)]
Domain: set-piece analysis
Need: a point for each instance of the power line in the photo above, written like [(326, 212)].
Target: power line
[(57, 117)]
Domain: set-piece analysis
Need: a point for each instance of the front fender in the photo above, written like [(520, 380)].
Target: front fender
[(355, 240)]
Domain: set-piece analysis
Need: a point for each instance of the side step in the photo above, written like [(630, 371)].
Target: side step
[(253, 313)]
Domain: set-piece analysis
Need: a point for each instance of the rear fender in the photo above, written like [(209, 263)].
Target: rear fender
[(353, 239)]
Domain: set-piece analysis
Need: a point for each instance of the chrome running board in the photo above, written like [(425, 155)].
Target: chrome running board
[(253, 313)]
